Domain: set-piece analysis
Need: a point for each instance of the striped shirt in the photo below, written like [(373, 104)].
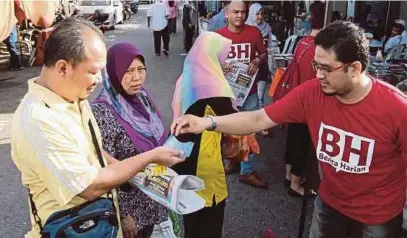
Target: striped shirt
[(53, 149)]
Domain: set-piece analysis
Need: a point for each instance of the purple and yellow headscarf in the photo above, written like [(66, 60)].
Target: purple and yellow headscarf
[(202, 76)]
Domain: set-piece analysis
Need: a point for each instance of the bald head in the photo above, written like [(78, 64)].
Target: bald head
[(93, 44), (71, 40), (236, 3)]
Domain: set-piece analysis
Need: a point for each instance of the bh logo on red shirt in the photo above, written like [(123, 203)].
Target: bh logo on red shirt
[(343, 150), (240, 52)]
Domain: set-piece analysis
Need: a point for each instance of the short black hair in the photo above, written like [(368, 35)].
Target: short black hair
[(67, 41), (347, 40)]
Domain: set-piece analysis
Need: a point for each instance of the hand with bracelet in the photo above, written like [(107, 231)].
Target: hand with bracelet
[(241, 123), (193, 124)]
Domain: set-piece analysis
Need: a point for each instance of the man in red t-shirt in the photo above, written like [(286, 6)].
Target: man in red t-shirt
[(247, 47), (358, 127)]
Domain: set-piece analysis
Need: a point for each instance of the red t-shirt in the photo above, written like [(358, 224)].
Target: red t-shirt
[(361, 147), (307, 72), (245, 45)]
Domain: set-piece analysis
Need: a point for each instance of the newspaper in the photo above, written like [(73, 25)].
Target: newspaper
[(240, 81), (176, 192)]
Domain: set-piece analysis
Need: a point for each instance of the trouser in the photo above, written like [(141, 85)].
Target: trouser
[(205, 223), (289, 30), (262, 92), (15, 60), (298, 147), (330, 223), (172, 23), (251, 104), (188, 38), (164, 34)]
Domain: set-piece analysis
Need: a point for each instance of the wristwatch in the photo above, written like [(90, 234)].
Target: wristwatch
[(213, 125)]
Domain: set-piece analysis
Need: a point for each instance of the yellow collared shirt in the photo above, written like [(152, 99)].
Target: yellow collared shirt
[(53, 149)]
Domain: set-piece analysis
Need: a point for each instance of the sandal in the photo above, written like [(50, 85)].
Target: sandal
[(292, 192)]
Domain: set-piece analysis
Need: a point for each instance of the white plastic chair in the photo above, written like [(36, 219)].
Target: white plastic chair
[(289, 45)]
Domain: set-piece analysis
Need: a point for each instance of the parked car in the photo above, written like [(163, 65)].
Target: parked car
[(112, 10)]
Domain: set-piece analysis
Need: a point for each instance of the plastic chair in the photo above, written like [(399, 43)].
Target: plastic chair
[(395, 53), (289, 45)]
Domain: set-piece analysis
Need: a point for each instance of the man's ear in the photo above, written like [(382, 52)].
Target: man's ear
[(355, 68), (62, 67)]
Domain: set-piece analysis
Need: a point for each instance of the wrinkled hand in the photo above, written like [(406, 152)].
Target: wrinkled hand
[(189, 124), (167, 156), (253, 67), (129, 227)]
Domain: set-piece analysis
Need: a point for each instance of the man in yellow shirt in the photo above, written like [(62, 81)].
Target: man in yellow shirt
[(51, 139)]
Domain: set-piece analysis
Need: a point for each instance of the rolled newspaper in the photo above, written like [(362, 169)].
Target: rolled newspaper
[(176, 192)]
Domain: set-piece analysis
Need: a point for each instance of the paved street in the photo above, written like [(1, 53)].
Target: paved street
[(249, 210)]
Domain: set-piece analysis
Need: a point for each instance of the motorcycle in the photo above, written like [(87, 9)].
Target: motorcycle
[(60, 15), (98, 19), (134, 6), (127, 12)]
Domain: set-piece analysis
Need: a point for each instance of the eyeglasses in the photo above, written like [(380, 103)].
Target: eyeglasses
[(324, 69)]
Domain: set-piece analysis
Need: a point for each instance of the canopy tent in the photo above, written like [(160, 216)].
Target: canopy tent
[(7, 18), (40, 12)]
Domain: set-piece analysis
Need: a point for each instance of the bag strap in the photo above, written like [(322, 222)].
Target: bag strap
[(95, 142), (34, 211), (304, 51), (100, 158)]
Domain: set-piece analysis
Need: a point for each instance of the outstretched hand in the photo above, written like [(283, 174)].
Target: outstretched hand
[(167, 156), (189, 124)]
